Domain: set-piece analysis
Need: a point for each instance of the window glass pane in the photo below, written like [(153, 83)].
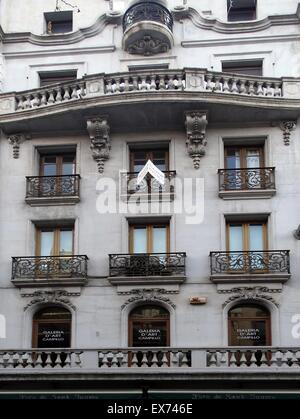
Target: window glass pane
[(233, 160), (248, 332), (253, 159), (256, 241), (139, 160), (249, 311), (68, 169), (159, 159), (66, 242), (140, 240), (47, 243), (235, 238), (49, 166), (159, 240)]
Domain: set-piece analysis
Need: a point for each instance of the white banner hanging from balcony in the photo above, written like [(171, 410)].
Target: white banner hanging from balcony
[(153, 171)]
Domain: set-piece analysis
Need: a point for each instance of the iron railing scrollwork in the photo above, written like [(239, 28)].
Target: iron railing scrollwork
[(51, 267), (247, 179), (251, 262), (52, 186), (148, 186), (147, 264), (148, 10)]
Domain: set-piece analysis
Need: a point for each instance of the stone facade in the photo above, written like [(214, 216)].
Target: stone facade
[(104, 128)]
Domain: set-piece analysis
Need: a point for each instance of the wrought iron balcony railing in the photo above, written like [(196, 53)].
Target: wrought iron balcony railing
[(147, 11), (49, 267), (52, 186), (149, 186), (247, 179), (250, 262), (147, 264)]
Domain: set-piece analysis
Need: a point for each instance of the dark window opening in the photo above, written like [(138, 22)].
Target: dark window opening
[(50, 77), (59, 22), (238, 10), (250, 68)]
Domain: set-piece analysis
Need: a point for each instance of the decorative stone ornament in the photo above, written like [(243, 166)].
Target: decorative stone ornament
[(99, 130), (250, 293), (196, 122), (148, 46), (15, 140), (148, 295), (287, 127), (50, 297)]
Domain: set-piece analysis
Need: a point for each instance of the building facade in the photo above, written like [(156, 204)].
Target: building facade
[(110, 283)]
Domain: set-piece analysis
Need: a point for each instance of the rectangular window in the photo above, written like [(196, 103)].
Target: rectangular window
[(247, 67), (59, 22), (57, 164), (149, 238), (246, 244), (237, 157), (50, 77), (238, 10), (140, 156), (54, 241)]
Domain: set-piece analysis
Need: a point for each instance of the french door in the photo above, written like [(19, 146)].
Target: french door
[(60, 168)]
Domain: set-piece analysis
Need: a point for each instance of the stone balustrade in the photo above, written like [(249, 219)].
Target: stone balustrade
[(146, 81), (230, 359)]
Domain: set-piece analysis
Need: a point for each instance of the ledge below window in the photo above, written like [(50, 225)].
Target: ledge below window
[(143, 280), (247, 194), (250, 278), (50, 201)]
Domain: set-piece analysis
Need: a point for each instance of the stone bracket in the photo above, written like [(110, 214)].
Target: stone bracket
[(15, 140), (99, 131), (287, 127), (196, 123)]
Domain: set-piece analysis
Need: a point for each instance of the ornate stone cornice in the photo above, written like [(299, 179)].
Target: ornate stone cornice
[(196, 122), (250, 293), (213, 24), (287, 127), (15, 140), (50, 297), (99, 130), (149, 295)]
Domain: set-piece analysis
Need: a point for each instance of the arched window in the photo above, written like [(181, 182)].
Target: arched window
[(149, 325), (249, 325), (52, 328)]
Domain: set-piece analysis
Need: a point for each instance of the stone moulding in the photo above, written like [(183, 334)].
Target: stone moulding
[(15, 141), (287, 127), (196, 122), (50, 297), (251, 293), (99, 131), (148, 295)]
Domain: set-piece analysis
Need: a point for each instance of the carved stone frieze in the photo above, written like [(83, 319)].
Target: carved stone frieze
[(50, 297), (148, 45), (148, 295), (250, 293), (287, 127), (99, 131), (196, 123)]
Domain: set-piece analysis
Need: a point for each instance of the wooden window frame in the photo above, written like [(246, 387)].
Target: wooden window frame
[(149, 156), (243, 154), (149, 233), (59, 162), (57, 230), (246, 235)]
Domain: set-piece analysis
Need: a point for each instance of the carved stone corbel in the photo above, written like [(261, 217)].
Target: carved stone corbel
[(99, 130), (15, 140), (287, 127), (196, 122)]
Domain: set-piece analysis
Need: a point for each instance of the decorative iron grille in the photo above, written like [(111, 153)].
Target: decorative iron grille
[(148, 186), (245, 179), (148, 10), (147, 264), (267, 261), (52, 186), (49, 267)]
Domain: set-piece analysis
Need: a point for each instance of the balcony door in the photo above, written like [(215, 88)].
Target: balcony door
[(243, 166), (151, 238), (149, 246), (139, 157), (54, 245), (244, 238), (56, 174)]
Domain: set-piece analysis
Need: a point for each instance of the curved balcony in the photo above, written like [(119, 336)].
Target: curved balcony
[(147, 27)]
